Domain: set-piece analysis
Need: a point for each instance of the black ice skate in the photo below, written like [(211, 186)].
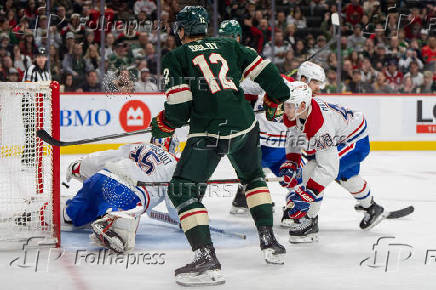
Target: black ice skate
[(205, 270), (373, 215), (239, 203), (273, 252), (108, 237), (304, 230), (286, 221)]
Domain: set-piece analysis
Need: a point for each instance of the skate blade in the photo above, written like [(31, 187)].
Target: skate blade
[(377, 221), (207, 278), (287, 223), (271, 258), (310, 238), (239, 210), (114, 243)]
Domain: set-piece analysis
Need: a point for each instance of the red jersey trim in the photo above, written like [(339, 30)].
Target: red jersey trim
[(314, 122)]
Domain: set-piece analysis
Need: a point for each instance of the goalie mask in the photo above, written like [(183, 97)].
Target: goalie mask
[(300, 92)]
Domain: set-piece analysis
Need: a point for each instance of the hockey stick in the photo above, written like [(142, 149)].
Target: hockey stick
[(335, 22), (212, 181), (43, 135), (165, 217), (47, 138), (396, 214)]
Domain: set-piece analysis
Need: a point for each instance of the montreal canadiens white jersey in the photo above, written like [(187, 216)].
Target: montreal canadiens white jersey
[(141, 162), (327, 126), (272, 133)]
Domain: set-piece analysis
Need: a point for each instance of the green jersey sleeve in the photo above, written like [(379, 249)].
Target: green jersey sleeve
[(178, 93), (263, 72)]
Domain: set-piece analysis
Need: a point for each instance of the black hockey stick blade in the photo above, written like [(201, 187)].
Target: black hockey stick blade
[(43, 135), (396, 214)]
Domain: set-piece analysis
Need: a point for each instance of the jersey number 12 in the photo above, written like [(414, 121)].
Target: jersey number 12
[(214, 58)]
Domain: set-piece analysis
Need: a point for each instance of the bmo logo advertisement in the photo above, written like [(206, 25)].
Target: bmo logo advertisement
[(134, 115), (93, 115), (426, 116)]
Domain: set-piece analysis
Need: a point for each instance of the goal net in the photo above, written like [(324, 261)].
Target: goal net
[(29, 168)]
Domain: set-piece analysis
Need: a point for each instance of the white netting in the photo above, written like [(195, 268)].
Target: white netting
[(26, 167)]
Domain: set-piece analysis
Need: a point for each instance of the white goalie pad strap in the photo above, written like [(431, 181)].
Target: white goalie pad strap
[(178, 94), (255, 68)]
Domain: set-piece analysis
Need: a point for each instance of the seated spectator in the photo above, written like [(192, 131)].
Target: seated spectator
[(300, 49), (55, 64), (21, 62), (408, 86), (75, 63), (124, 83), (146, 83), (322, 56), (393, 76), (429, 51), (331, 84), (356, 41), (297, 18), (353, 12), (290, 33), (347, 71), (13, 75), (368, 72), (416, 76), (356, 85), (91, 83), (407, 59), (286, 66), (92, 57), (428, 86), (380, 85), (151, 57), (281, 47), (67, 83)]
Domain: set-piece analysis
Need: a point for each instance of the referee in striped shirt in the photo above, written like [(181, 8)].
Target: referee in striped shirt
[(39, 72), (35, 73)]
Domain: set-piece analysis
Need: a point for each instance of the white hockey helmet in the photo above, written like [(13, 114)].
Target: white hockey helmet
[(311, 71), (299, 92)]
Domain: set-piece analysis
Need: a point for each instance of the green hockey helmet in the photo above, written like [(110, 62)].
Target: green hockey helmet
[(230, 28), (193, 19)]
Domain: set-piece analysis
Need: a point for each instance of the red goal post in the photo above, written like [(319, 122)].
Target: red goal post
[(29, 168)]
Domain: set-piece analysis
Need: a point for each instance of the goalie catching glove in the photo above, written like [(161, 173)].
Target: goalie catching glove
[(160, 127)]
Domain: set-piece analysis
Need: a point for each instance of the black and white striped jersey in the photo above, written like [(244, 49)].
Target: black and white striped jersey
[(35, 74)]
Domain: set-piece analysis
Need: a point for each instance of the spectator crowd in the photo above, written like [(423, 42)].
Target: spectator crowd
[(383, 49)]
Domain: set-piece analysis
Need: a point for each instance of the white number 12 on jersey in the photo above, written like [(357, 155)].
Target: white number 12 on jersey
[(214, 58)]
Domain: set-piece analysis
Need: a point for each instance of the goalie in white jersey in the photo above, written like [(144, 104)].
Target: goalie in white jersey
[(110, 199), (335, 140)]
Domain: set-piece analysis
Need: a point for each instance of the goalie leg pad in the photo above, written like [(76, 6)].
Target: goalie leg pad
[(116, 231)]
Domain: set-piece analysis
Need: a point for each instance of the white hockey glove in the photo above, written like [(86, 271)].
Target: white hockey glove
[(73, 171)]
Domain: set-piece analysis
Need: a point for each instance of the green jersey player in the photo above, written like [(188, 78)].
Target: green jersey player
[(202, 86)]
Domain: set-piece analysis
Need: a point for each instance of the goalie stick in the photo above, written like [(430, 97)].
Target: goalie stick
[(165, 217)]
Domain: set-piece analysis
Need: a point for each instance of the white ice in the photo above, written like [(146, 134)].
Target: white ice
[(397, 179)]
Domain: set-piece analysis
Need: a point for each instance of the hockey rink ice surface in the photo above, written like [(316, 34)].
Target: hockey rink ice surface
[(396, 254)]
